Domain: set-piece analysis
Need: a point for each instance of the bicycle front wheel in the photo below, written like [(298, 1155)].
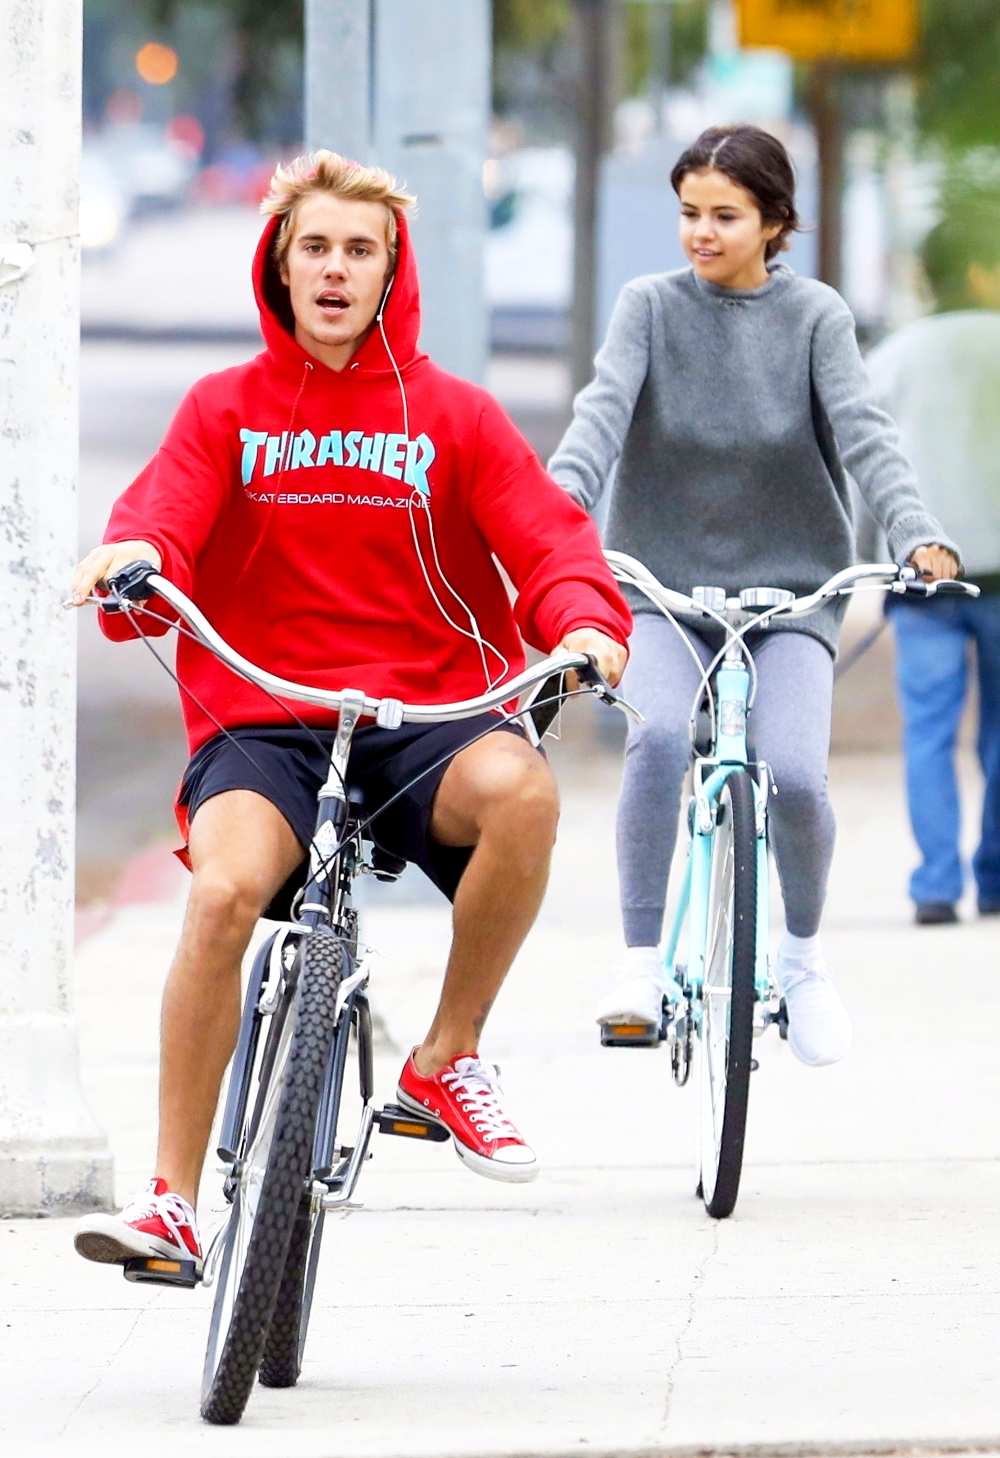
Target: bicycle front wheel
[(728, 996), (273, 1181)]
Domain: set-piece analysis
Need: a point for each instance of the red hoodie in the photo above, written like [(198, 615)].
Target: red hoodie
[(278, 501)]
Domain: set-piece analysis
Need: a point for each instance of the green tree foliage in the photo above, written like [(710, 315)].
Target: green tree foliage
[(958, 101), (528, 24), (260, 30), (688, 41), (536, 25)]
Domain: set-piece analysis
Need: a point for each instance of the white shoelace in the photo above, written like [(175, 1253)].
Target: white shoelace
[(477, 1091), (172, 1209)]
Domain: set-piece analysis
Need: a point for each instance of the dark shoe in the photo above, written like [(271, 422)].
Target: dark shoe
[(988, 906), (935, 913)]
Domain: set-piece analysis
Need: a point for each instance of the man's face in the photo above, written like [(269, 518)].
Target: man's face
[(336, 270)]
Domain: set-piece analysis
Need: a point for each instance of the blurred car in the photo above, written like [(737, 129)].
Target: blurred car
[(103, 203), (528, 261), (240, 173), (153, 169)]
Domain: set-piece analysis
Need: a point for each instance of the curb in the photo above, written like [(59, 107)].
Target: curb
[(152, 876)]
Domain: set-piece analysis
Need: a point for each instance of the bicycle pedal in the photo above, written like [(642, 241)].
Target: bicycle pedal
[(631, 1035), (162, 1271), (395, 1120)]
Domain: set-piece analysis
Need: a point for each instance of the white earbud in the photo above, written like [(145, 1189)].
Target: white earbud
[(381, 307)]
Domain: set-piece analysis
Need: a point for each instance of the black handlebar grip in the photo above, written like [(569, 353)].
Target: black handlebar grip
[(951, 589), (549, 701)]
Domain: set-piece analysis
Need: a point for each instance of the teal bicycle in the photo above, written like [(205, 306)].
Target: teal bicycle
[(719, 987)]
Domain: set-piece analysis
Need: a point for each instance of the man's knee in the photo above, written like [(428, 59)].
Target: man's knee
[(226, 903), (521, 807)]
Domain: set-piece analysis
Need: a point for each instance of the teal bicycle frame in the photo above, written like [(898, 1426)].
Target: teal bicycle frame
[(731, 691), (727, 1005)]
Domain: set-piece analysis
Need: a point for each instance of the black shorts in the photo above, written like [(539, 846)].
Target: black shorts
[(288, 769)]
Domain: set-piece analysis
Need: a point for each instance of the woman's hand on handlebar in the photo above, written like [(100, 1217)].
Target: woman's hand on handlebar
[(611, 656), (103, 562), (935, 562)]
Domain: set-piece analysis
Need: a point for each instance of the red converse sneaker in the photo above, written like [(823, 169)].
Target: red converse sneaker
[(158, 1223), (465, 1097)]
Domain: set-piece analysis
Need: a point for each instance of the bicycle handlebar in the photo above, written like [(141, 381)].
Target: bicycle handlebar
[(140, 580), (889, 575), (783, 603)]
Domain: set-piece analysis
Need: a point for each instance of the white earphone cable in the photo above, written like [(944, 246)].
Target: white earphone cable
[(475, 636)]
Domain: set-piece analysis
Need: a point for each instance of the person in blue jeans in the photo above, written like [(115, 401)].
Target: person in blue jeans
[(932, 653), (940, 379)]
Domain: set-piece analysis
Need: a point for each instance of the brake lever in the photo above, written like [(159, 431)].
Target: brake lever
[(950, 587), (592, 678), (127, 587)]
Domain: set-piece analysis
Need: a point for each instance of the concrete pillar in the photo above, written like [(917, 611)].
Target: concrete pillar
[(53, 1157), (409, 88)]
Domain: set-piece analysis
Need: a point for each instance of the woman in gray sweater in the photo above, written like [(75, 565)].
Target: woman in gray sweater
[(732, 399)]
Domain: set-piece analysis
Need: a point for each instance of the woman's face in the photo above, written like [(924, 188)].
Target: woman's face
[(722, 231)]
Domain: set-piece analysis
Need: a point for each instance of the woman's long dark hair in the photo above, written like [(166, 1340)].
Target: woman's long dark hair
[(754, 160)]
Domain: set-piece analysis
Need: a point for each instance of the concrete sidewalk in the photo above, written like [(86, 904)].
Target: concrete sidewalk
[(851, 1303)]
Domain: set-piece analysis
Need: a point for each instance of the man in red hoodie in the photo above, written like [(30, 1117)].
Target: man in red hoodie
[(334, 507)]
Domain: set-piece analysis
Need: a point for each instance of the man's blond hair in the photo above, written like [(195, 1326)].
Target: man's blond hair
[(325, 171)]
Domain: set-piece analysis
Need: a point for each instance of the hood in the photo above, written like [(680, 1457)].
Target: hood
[(400, 320)]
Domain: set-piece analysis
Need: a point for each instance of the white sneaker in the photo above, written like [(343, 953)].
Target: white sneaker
[(635, 995), (819, 1028)]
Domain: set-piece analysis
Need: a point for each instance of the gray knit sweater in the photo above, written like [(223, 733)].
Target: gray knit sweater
[(734, 417)]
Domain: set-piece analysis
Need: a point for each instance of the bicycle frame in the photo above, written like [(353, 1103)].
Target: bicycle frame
[(731, 688), (325, 898)]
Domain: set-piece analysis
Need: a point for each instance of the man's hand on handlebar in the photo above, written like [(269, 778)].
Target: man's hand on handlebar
[(611, 656), (935, 562), (103, 562)]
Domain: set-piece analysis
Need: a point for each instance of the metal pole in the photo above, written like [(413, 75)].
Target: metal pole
[(407, 86), (660, 60), (593, 20), (828, 121), (339, 84), (53, 1157)]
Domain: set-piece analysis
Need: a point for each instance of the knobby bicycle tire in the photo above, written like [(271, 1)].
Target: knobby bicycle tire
[(284, 1182), (281, 1362), (737, 798)]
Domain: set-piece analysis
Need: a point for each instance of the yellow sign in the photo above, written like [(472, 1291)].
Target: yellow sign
[(844, 30)]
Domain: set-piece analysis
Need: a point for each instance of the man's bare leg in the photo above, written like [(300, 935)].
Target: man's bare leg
[(500, 796), (242, 851)]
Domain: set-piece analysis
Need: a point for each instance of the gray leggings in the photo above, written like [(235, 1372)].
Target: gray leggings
[(789, 728)]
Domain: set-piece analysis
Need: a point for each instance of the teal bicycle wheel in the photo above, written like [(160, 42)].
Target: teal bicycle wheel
[(728, 996)]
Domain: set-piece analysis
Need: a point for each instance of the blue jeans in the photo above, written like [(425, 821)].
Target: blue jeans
[(932, 641)]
